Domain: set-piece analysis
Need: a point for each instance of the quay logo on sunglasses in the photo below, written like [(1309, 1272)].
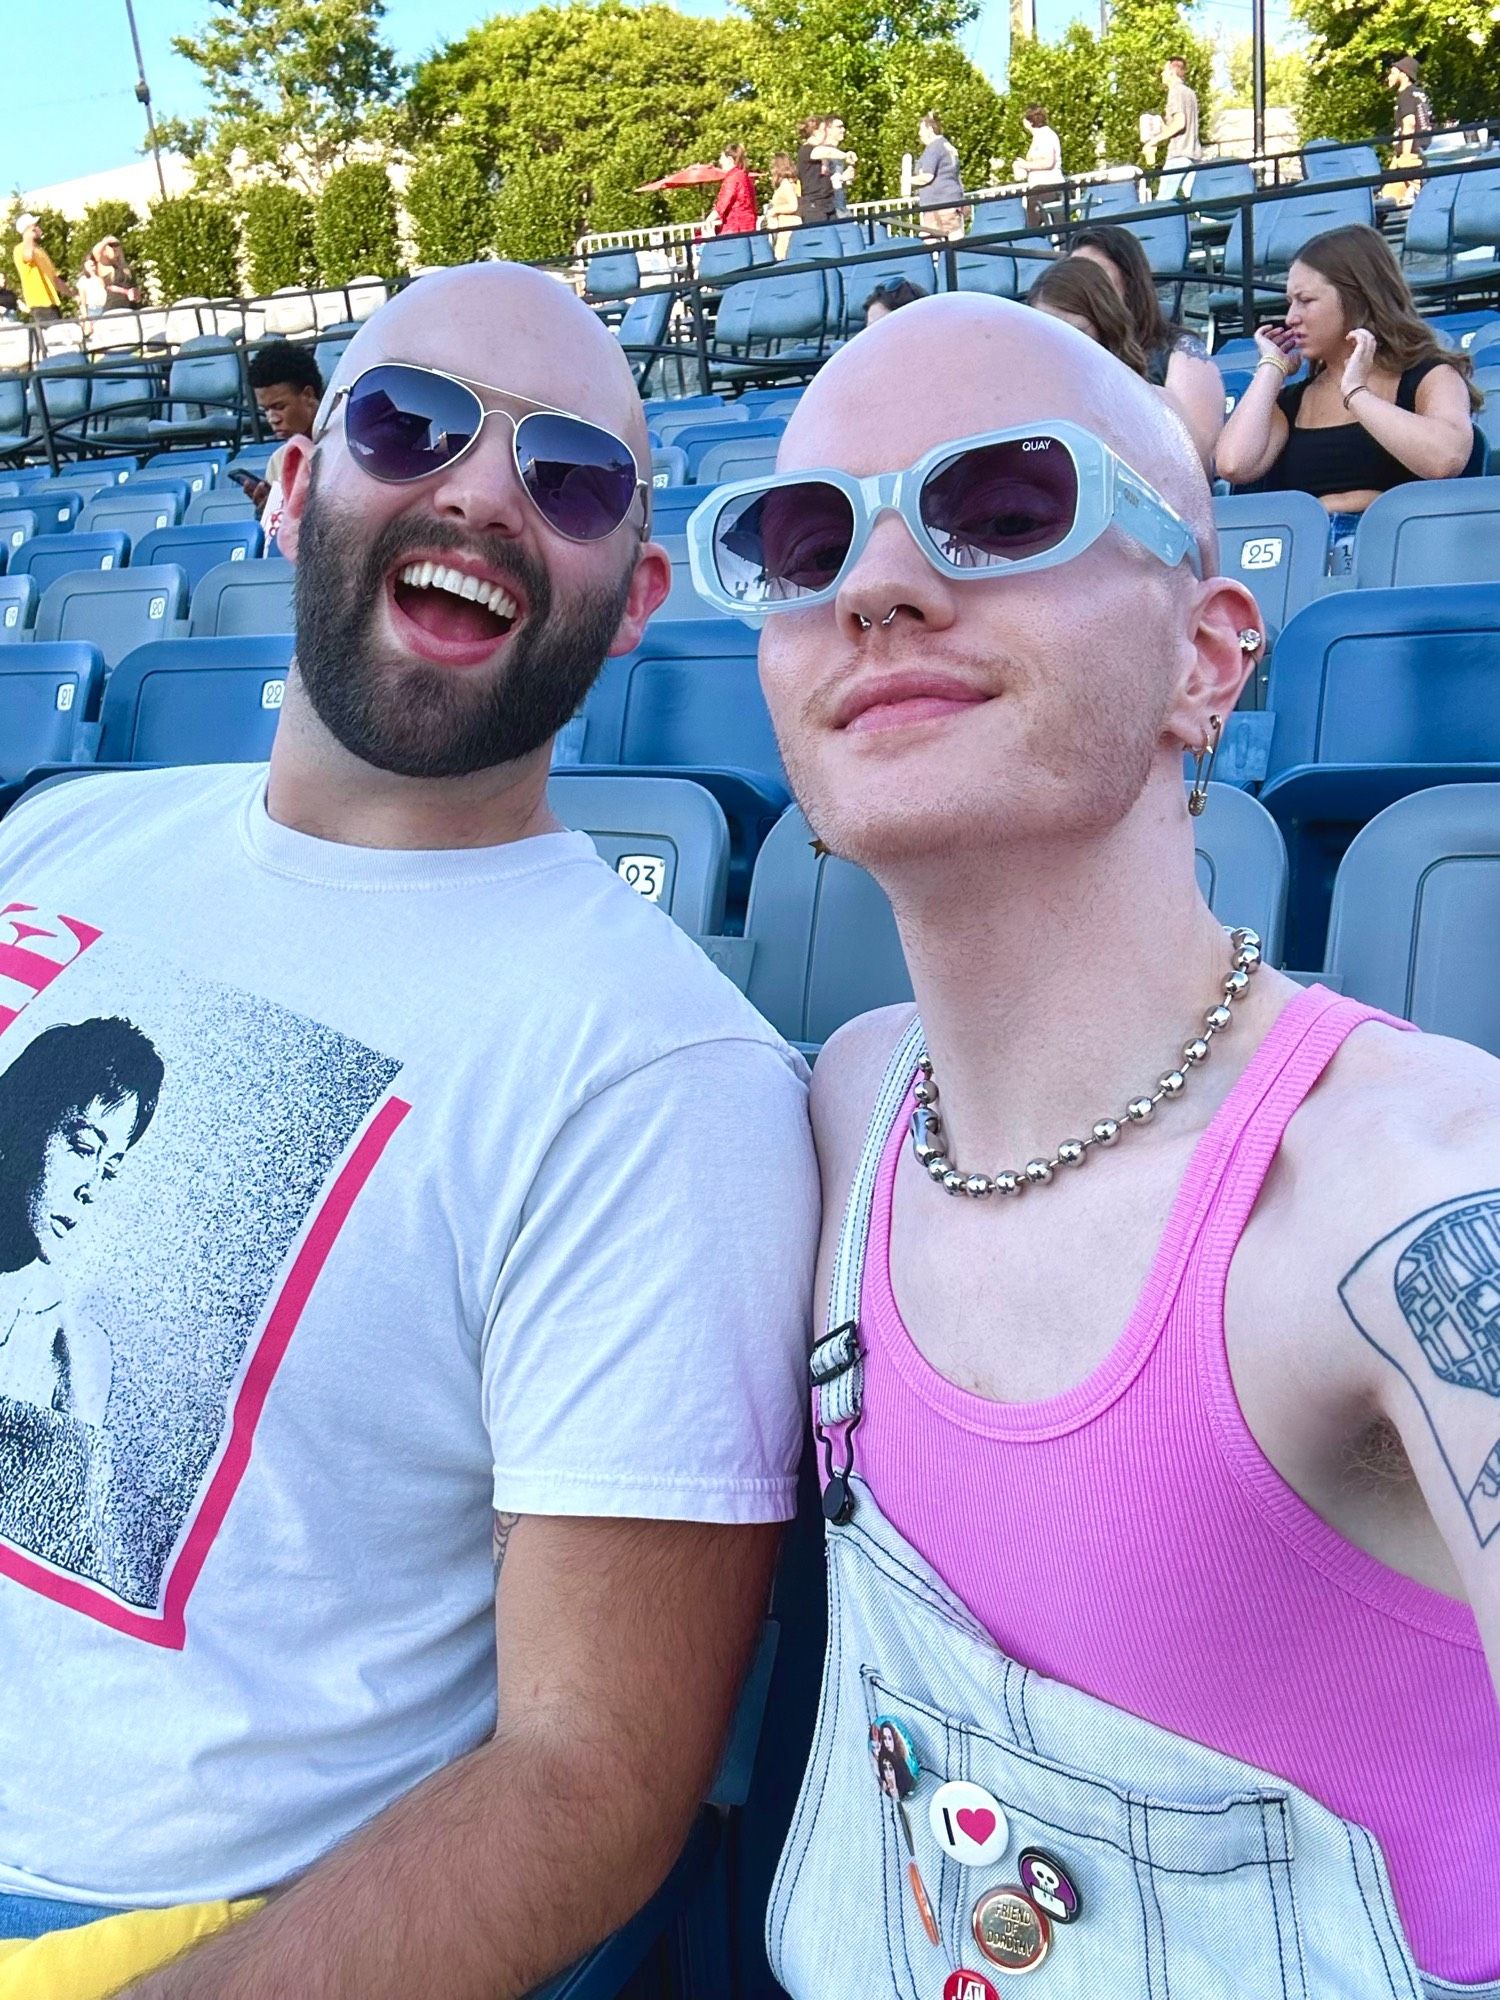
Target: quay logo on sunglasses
[(1001, 503), (405, 423), (995, 504)]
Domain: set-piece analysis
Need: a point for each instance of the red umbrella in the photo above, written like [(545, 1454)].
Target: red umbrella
[(685, 177)]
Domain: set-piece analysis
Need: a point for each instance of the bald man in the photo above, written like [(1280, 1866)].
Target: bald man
[(457, 1290), (1160, 1401)]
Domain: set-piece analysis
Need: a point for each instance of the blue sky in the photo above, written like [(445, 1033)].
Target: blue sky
[(70, 75)]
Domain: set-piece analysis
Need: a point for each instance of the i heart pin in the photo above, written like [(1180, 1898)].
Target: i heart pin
[(968, 1824)]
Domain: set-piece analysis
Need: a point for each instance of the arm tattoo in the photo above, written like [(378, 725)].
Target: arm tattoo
[(1442, 1267), (500, 1539)]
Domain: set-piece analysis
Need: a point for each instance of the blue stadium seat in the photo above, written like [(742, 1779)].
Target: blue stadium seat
[(682, 600), (206, 393), (668, 466), (57, 394), (17, 525), (1105, 198), (706, 428), (198, 549), (688, 695), (1487, 423), (665, 837), (668, 426), (1329, 160), (18, 596), (1374, 693), (992, 218), (1476, 218), (908, 258), (721, 255), (114, 611), (196, 701), (992, 272), (48, 693), (824, 945), (123, 396), (17, 429), (48, 557), (252, 457), (643, 329), (1276, 544), (671, 507), (1412, 927), (55, 505), (775, 325), (611, 274), (1481, 337), (742, 453), (242, 597), (181, 464), (1433, 531), (224, 503), (817, 242), (133, 512), (1165, 237), (1278, 230)]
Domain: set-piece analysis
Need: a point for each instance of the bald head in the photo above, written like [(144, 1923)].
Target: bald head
[(516, 329), (957, 365)]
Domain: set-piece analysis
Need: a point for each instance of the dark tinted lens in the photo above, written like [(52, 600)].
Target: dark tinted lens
[(785, 544), (402, 423), (582, 479), (1000, 502)]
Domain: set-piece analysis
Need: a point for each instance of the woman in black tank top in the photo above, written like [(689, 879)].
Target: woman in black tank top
[(1382, 402)]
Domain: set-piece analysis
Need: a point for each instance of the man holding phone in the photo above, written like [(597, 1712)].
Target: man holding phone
[(287, 387)]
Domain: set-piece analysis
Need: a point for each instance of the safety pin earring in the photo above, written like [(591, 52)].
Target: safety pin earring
[(1203, 767)]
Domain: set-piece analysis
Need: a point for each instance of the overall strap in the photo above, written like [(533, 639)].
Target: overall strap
[(836, 1365)]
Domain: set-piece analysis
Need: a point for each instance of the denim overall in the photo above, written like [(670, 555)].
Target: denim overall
[(1197, 1877)]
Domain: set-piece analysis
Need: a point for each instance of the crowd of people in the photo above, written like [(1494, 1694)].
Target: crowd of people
[(104, 281), (388, 1517)]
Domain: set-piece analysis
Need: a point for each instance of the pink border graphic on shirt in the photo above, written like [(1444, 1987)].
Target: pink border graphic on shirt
[(43, 947)]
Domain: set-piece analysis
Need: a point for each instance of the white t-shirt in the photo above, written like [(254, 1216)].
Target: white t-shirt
[(470, 1184)]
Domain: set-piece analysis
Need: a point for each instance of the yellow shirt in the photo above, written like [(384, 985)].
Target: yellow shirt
[(38, 279)]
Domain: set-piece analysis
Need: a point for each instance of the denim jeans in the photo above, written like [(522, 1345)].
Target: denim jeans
[(1198, 1877), (34, 1916)]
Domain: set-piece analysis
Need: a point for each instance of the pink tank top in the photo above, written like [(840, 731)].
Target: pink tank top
[(1129, 1537)]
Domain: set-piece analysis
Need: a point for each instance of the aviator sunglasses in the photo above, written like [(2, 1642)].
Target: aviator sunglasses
[(997, 504), (405, 423)]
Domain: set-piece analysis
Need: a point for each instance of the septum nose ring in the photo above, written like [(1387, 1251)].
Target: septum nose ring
[(865, 624)]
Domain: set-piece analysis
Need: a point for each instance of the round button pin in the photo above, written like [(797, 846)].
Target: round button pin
[(964, 1985), (897, 1765), (1010, 1930), (1049, 1885), (968, 1824)]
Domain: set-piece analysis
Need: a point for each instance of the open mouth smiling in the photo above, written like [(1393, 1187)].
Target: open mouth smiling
[(449, 612)]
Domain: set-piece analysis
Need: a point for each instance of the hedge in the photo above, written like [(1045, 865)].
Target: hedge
[(537, 214), (192, 244), (278, 225), (450, 203), (354, 226)]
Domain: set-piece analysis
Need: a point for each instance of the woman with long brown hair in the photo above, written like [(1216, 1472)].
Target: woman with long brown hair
[(1076, 290), (1176, 360), (1383, 401)]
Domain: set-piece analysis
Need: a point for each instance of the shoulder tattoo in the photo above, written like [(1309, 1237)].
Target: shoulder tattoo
[(1427, 1298), (500, 1536)]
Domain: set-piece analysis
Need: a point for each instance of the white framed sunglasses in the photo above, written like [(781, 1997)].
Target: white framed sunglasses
[(1003, 502)]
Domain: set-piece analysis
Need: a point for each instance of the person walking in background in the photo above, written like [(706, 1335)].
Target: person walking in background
[(824, 169), (938, 184), (1040, 167), (841, 164), (782, 209), (1179, 132), (42, 290), (734, 209), (1413, 125), (92, 290)]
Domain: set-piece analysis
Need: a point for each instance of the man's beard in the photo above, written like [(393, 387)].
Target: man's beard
[(412, 717)]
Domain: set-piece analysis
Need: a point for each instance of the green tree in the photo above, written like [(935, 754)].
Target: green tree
[(618, 94), (1071, 81), (450, 202), (191, 243), (1344, 97), (292, 84), (1286, 76), (354, 225), (278, 226), (537, 215), (844, 56)]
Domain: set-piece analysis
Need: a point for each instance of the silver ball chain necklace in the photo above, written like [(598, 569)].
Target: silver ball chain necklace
[(927, 1126)]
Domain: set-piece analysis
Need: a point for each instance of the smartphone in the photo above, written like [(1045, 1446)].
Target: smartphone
[(246, 481)]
